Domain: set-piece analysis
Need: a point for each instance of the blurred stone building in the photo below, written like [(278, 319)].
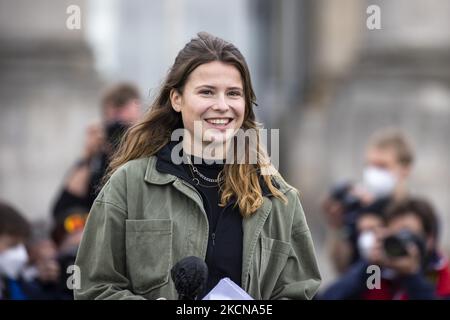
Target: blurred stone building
[(48, 93)]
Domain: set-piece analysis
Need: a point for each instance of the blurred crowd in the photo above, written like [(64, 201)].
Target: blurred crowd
[(374, 222), (384, 241), (36, 258)]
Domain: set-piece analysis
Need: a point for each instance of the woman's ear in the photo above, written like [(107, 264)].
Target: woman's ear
[(175, 100)]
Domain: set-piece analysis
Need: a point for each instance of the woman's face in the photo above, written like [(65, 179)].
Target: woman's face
[(213, 100)]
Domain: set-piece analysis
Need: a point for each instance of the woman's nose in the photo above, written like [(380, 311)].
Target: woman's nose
[(220, 104)]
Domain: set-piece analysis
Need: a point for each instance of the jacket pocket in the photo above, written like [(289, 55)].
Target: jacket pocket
[(274, 254), (148, 253)]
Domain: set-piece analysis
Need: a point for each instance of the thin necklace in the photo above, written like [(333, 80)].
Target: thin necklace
[(196, 181)]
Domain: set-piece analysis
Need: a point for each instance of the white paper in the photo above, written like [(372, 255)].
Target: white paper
[(227, 290)]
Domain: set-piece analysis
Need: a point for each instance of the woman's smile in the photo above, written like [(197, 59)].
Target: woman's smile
[(220, 123)]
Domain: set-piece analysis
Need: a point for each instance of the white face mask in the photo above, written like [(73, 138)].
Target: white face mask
[(12, 261), (379, 182), (366, 242)]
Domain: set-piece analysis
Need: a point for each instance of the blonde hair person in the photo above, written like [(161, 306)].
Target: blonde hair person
[(245, 224)]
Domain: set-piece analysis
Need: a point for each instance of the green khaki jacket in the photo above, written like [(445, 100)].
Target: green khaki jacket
[(144, 221)]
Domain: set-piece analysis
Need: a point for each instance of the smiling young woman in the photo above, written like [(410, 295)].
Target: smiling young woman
[(151, 213)]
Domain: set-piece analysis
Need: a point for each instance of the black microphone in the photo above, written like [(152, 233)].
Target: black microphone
[(189, 276)]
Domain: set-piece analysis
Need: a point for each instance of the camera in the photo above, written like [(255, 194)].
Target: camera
[(114, 133), (396, 245), (341, 193)]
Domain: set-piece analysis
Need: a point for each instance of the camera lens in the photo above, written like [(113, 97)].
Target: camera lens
[(394, 246)]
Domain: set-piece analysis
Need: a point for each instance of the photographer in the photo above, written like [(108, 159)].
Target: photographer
[(45, 276), (14, 231), (66, 233), (389, 158), (121, 109), (43, 270), (406, 251)]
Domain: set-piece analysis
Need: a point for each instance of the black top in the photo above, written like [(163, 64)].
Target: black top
[(224, 252)]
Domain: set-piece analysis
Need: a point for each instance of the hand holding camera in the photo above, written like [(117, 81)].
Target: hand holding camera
[(403, 252)]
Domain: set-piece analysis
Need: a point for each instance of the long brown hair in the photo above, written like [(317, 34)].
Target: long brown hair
[(153, 131)]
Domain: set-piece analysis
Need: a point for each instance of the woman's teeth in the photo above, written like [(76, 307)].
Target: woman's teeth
[(218, 121)]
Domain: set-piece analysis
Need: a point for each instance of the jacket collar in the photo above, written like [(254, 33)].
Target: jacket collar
[(154, 176)]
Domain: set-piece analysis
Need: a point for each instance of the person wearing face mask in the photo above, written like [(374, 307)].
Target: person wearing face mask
[(121, 109), (412, 267), (14, 230), (389, 159), (370, 226), (388, 163)]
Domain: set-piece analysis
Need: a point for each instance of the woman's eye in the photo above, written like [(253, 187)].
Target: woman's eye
[(234, 93), (206, 92)]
